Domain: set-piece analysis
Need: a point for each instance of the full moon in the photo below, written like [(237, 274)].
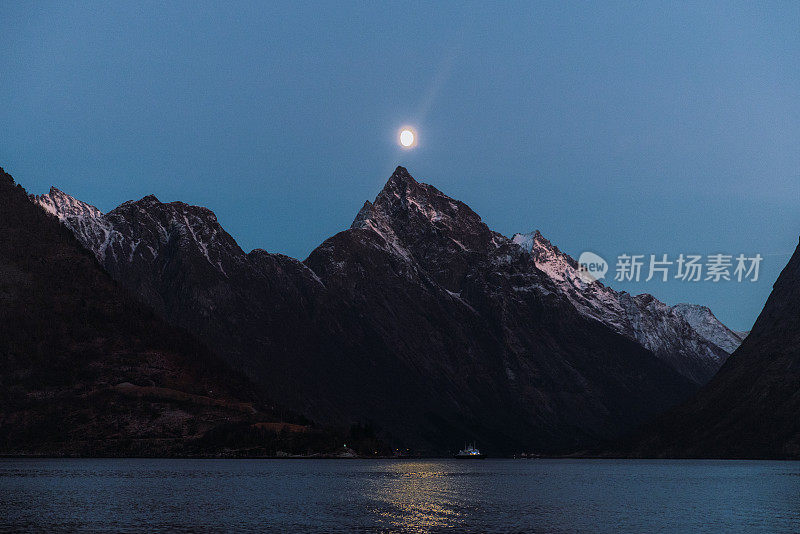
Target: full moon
[(407, 138)]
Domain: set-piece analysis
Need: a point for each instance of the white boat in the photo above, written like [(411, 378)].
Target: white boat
[(470, 453)]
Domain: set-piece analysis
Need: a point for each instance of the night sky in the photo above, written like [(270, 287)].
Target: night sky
[(614, 128)]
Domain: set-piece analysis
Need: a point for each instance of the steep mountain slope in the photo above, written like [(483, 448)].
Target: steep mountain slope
[(687, 337), (505, 347), (419, 318), (750, 409), (86, 369)]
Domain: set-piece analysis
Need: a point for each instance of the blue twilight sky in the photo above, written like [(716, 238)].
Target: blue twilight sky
[(615, 128)]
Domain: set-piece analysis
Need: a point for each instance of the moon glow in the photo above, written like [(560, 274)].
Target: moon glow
[(408, 139)]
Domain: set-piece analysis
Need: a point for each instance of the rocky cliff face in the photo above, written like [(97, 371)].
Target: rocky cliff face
[(749, 410), (418, 317)]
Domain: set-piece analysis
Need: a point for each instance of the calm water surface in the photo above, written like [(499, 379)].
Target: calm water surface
[(384, 495)]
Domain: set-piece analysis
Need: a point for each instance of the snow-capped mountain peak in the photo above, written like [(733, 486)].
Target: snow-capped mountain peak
[(707, 325), (62, 205), (548, 258), (142, 227), (415, 211), (526, 241), (88, 223)]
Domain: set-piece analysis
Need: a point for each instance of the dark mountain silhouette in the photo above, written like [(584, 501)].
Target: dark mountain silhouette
[(85, 369), (750, 409), (418, 318)]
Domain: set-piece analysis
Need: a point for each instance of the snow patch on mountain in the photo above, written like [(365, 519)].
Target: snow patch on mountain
[(141, 227), (707, 325), (688, 337), (86, 222)]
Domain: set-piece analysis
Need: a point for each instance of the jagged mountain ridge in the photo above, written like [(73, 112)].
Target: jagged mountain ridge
[(180, 261), (418, 317), (686, 336)]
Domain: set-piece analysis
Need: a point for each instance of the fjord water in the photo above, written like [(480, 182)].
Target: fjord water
[(131, 495)]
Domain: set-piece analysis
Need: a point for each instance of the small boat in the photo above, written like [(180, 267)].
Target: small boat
[(470, 453)]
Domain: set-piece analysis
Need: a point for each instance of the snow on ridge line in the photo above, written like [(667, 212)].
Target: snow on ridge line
[(644, 318), (89, 225), (97, 232), (703, 320)]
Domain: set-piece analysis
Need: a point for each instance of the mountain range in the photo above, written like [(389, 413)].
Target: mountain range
[(418, 319)]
